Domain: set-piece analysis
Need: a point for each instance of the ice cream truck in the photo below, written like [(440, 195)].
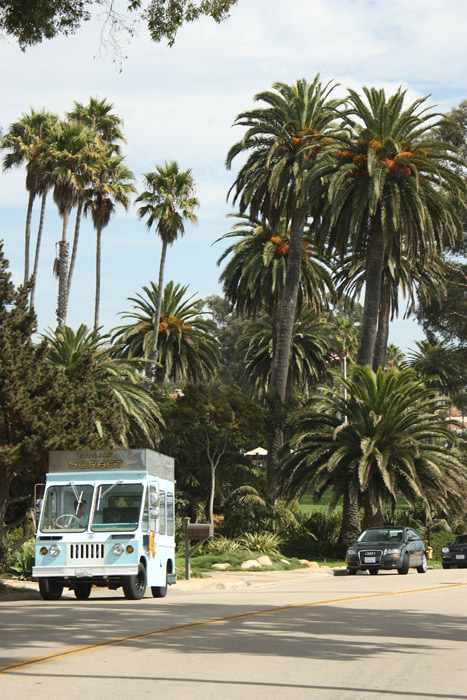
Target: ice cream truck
[(107, 518)]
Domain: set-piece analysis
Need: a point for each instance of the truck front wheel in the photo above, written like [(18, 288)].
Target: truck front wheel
[(50, 588), (134, 587)]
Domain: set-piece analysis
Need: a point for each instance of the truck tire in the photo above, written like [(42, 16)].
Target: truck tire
[(50, 588), (159, 591), (83, 590), (134, 587)]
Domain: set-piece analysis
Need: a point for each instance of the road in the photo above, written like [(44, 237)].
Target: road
[(302, 636)]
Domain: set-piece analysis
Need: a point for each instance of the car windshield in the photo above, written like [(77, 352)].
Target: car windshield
[(118, 507), (382, 535), (66, 507), (461, 539)]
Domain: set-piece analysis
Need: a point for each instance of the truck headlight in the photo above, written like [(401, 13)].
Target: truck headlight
[(118, 548), (54, 550)]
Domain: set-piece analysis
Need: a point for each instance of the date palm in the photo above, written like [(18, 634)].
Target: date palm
[(187, 346), (394, 442), (307, 358), (142, 417), (283, 138), (167, 202), (391, 180)]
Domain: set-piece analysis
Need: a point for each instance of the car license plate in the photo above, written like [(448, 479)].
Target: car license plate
[(370, 560), (83, 573), (460, 556)]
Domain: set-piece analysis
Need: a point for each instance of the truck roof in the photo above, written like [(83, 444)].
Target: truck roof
[(103, 461)]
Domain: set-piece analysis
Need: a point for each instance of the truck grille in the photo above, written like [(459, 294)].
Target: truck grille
[(87, 552)]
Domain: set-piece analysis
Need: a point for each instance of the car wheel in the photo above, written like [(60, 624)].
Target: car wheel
[(50, 589), (83, 590), (423, 566), (134, 587), (446, 566), (405, 565), (373, 572), (351, 572)]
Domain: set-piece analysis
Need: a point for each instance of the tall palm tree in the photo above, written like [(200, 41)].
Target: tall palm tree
[(167, 202), (25, 143), (112, 184), (389, 181), (187, 346), (96, 115), (74, 155), (283, 138), (142, 418), (438, 366), (394, 442)]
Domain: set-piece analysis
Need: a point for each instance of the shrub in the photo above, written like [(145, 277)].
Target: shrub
[(23, 560), (264, 542), (223, 544)]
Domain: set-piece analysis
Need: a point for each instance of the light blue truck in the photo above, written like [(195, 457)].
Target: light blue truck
[(107, 518)]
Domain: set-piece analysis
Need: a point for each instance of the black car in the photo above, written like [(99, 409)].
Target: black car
[(455, 553), (389, 547)]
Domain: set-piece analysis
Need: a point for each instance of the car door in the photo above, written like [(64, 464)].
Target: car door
[(415, 548)]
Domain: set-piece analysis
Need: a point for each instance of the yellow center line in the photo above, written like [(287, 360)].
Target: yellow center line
[(10, 668)]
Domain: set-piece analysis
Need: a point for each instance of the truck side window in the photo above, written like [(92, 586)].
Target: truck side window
[(145, 519), (161, 512), (170, 514), (153, 509)]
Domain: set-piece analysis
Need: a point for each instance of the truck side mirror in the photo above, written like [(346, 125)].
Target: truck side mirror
[(154, 513)]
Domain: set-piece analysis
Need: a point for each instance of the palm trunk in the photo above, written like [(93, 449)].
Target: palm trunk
[(372, 517), (27, 236), (63, 257), (374, 270), (350, 528), (381, 343), (98, 277), (38, 249), (280, 361), (74, 251), (160, 291)]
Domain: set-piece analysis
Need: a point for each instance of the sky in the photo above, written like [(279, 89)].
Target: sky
[(180, 103)]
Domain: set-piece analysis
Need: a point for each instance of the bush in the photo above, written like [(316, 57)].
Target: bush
[(439, 540), (5, 555), (263, 542), (222, 544), (23, 560)]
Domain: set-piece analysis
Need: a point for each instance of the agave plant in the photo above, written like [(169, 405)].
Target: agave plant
[(264, 542)]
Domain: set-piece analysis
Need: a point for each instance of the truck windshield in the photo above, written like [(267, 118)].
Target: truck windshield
[(118, 507), (66, 507)]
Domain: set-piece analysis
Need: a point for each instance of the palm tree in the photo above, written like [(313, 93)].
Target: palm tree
[(25, 141), (98, 117), (438, 366), (74, 155), (168, 200), (394, 442), (389, 181), (283, 137), (308, 354), (142, 418), (112, 184), (187, 346), (254, 277)]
